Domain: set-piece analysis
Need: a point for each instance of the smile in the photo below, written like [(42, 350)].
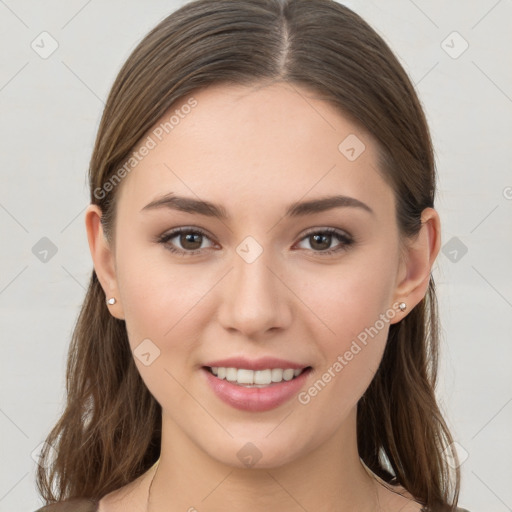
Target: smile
[(255, 390), (255, 378)]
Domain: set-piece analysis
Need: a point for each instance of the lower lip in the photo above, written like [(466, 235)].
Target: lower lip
[(255, 399)]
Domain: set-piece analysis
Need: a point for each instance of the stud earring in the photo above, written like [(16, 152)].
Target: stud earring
[(402, 306), (111, 301)]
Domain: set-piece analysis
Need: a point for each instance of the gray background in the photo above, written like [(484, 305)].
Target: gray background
[(49, 113)]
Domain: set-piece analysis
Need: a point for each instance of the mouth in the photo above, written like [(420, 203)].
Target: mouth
[(255, 390), (255, 378)]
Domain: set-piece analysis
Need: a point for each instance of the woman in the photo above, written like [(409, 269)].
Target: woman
[(260, 330)]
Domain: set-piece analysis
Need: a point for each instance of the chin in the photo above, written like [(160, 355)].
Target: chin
[(256, 453)]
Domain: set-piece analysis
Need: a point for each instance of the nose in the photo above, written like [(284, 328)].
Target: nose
[(254, 299)]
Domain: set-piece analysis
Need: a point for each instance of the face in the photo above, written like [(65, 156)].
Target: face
[(313, 287)]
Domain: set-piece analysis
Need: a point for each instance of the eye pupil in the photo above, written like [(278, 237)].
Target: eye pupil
[(324, 245), (188, 238)]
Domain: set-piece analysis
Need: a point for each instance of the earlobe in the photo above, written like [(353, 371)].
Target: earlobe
[(103, 259), (417, 263)]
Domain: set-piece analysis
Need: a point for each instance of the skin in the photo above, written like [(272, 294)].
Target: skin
[(255, 150)]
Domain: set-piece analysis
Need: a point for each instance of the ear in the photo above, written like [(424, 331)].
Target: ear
[(416, 264), (104, 259)]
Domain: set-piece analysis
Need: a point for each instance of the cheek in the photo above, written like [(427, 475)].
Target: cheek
[(164, 310), (158, 298), (159, 316), (353, 302), (349, 297), (335, 389), (350, 359)]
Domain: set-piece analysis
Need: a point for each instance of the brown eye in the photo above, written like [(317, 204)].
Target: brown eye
[(320, 241), (185, 241), (190, 240)]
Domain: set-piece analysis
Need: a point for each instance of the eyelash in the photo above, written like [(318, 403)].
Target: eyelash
[(346, 240)]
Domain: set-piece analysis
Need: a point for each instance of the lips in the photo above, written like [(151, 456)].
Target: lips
[(255, 399)]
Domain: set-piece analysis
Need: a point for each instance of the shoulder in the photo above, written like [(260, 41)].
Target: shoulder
[(74, 505)]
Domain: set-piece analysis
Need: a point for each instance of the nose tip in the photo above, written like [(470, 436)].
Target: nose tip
[(252, 301)]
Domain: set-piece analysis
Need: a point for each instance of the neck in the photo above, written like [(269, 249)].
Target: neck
[(324, 478)]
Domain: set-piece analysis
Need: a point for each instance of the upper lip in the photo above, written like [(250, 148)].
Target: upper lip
[(262, 363)]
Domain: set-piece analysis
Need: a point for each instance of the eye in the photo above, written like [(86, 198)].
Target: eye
[(190, 239), (320, 240)]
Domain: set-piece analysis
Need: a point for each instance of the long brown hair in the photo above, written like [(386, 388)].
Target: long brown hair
[(110, 430)]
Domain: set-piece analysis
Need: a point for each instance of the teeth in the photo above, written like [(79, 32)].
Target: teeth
[(255, 378), (231, 374)]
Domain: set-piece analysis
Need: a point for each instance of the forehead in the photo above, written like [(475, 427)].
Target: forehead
[(262, 145)]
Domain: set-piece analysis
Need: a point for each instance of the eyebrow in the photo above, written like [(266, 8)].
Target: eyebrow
[(191, 205)]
